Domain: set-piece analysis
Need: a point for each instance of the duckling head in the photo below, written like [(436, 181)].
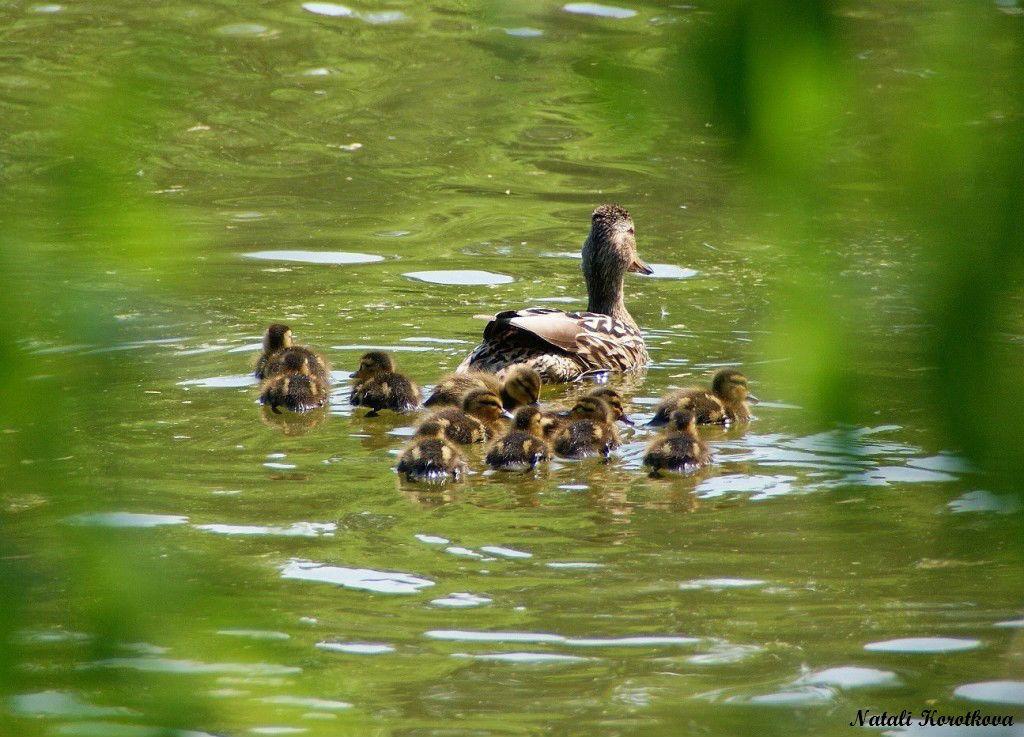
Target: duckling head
[(521, 387), (590, 408), (731, 386), (614, 401), (372, 364), (483, 404), (276, 337), (296, 362), (683, 420), (529, 419)]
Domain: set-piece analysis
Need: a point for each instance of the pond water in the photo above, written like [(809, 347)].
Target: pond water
[(375, 176)]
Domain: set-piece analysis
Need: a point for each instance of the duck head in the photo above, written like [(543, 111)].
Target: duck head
[(521, 387), (608, 253), (483, 404), (590, 408), (296, 362), (528, 419), (614, 401), (730, 386), (683, 420), (276, 337), (372, 364)]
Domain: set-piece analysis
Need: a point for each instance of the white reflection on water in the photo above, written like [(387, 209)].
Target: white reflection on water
[(923, 645), (61, 704), (365, 579), (356, 648), (296, 529), (307, 703), (195, 667), (524, 658), (546, 637), (994, 692), (850, 676), (127, 519)]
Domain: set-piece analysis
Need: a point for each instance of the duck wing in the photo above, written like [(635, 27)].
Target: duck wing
[(558, 328)]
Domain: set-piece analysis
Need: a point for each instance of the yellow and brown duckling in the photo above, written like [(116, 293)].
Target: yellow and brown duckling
[(430, 456), (520, 387), (728, 400), (294, 386), (477, 420), (561, 346), (679, 448), (552, 421), (453, 388), (589, 432), (379, 386), (278, 344), (523, 446)]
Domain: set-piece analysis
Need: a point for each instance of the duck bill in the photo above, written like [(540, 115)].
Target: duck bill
[(626, 421), (752, 399), (639, 267), (354, 376), (657, 421)]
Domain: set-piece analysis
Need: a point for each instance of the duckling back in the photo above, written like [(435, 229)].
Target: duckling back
[(523, 446), (431, 457), (679, 448), (452, 389), (460, 427), (295, 391), (278, 345), (589, 432), (379, 386)]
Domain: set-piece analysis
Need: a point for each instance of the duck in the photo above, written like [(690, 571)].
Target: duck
[(679, 448), (728, 400), (294, 386), (589, 432), (450, 390), (430, 456), (553, 421), (520, 387), (379, 386), (524, 446), (562, 346), (475, 422), (278, 343)]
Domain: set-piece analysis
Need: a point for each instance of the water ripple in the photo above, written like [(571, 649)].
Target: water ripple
[(365, 579)]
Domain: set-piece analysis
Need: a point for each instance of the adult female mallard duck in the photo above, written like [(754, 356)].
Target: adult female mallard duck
[(590, 431), (379, 386), (561, 346), (430, 456), (277, 345), (523, 446), (728, 400), (475, 422), (294, 386), (679, 448)]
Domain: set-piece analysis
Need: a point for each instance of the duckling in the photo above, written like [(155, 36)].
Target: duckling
[(430, 456), (520, 387), (294, 386), (561, 346), (452, 389), (590, 431), (552, 422), (727, 401), (679, 448), (524, 445), (277, 344), (475, 422), (379, 386)]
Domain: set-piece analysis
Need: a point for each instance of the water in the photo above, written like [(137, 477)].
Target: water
[(375, 176)]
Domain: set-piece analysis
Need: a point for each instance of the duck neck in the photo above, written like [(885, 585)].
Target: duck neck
[(605, 297)]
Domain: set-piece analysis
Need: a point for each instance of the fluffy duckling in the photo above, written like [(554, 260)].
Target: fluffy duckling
[(590, 431), (294, 386), (727, 401), (453, 388), (379, 386), (524, 445), (278, 345), (520, 387), (679, 448), (552, 422), (430, 456), (475, 422)]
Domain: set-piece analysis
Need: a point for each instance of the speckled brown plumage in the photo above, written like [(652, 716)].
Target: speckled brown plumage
[(278, 345), (294, 386), (561, 346), (476, 421)]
